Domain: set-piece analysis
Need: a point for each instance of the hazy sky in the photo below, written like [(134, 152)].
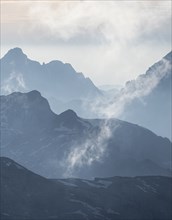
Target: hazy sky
[(109, 41)]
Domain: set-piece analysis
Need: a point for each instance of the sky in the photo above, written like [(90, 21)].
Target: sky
[(111, 42)]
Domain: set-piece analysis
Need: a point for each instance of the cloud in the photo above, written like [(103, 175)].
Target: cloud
[(136, 89), (109, 48), (91, 150), (95, 147), (124, 22), (86, 21), (14, 83)]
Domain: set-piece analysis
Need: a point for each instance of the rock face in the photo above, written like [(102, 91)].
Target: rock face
[(26, 195), (67, 145)]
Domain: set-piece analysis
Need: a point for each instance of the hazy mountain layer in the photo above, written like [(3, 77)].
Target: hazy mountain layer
[(145, 101), (67, 145), (56, 80), (152, 110)]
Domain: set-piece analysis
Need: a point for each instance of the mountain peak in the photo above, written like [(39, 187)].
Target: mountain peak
[(16, 50), (31, 106), (34, 93), (15, 53), (69, 114)]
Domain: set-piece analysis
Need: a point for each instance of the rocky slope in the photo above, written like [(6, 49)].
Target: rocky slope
[(25, 195)]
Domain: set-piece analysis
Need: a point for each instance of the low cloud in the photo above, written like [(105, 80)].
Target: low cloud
[(135, 89), (91, 150), (124, 22), (95, 148), (14, 83)]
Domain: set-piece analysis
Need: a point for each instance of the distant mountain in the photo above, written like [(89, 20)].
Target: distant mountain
[(67, 145), (57, 81), (25, 195), (146, 100), (152, 108)]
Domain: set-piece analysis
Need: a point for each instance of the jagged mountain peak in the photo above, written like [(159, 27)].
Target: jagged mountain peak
[(27, 98), (34, 94), (32, 130), (15, 53), (63, 67), (16, 50), (70, 120), (34, 110), (55, 77), (31, 93)]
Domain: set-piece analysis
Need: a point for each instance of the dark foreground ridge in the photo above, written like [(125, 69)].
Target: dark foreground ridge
[(26, 195)]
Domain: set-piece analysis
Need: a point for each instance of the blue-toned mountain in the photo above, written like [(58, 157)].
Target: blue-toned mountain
[(66, 145), (25, 195), (151, 107), (55, 79)]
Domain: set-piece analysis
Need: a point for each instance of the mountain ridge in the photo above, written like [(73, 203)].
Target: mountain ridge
[(153, 108), (52, 145), (26, 195), (67, 89), (23, 74)]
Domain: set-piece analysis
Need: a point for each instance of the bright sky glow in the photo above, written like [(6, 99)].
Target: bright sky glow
[(109, 41)]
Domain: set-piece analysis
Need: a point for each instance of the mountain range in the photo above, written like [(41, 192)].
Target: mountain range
[(26, 195), (58, 165), (56, 80), (147, 99), (66, 145)]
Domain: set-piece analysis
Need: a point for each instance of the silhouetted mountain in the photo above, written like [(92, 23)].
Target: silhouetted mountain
[(54, 79), (152, 110), (25, 195), (67, 89), (26, 111), (58, 145)]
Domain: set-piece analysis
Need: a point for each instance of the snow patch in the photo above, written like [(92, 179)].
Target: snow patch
[(67, 183), (141, 188)]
